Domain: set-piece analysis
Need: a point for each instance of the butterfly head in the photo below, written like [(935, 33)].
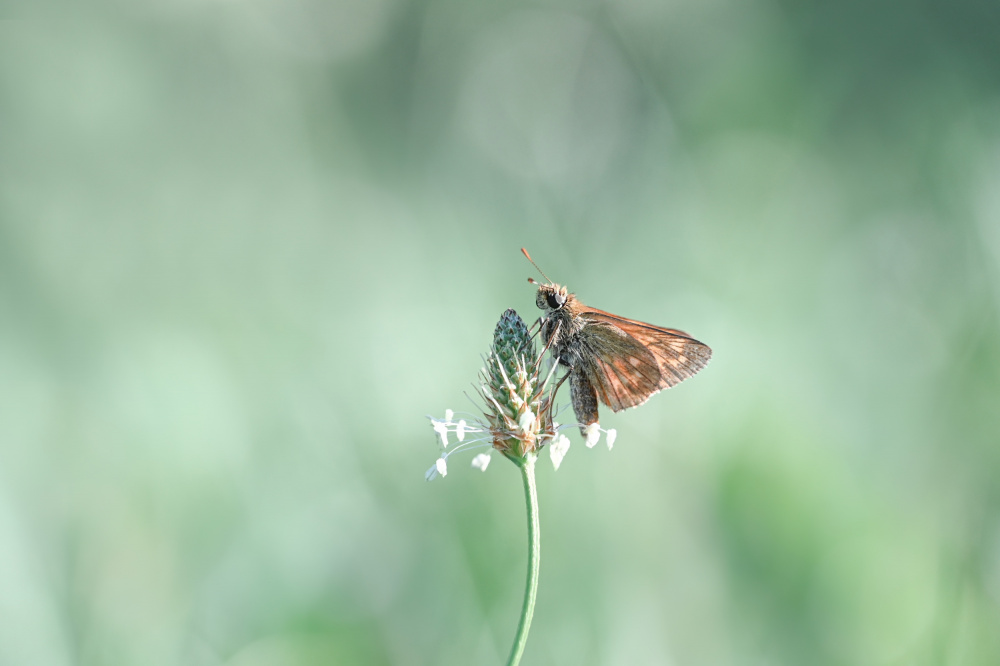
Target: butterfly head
[(551, 297)]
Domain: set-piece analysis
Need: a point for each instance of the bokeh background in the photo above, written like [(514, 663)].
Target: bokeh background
[(245, 248)]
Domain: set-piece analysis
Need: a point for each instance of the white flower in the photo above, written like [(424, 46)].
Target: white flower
[(481, 461), (527, 421), (612, 436), (441, 428), (592, 433), (461, 429), (558, 449)]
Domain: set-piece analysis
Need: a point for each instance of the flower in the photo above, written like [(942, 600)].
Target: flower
[(558, 449), (444, 427), (481, 461), (439, 468), (441, 428), (517, 420), (514, 390), (592, 434), (527, 421)]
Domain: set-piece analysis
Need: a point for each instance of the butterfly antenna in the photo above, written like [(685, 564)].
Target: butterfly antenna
[(536, 267)]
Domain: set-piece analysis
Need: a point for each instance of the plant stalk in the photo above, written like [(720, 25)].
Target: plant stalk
[(534, 557)]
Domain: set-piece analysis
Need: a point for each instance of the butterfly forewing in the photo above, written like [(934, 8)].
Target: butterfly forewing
[(677, 357)]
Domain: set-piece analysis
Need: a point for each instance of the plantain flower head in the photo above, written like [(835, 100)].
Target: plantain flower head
[(517, 420)]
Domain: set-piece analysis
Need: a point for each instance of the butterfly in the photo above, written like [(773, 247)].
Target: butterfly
[(618, 361)]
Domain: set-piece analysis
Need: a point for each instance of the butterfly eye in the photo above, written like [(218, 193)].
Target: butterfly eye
[(556, 300)]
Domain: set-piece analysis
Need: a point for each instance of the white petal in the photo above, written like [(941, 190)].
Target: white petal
[(527, 421), (481, 461), (448, 415), (592, 433), (441, 466), (612, 436), (558, 449), (460, 430), (442, 430)]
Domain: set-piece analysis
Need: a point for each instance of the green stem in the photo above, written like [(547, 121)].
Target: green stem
[(534, 557)]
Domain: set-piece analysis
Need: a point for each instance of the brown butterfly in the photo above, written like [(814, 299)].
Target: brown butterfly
[(619, 361)]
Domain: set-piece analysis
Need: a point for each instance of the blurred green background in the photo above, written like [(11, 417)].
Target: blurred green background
[(245, 248)]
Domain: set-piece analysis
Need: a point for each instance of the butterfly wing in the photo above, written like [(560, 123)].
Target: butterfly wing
[(632, 360), (621, 370)]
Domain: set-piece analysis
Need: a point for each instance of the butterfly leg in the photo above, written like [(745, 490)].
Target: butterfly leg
[(531, 329), (540, 323), (584, 398), (560, 383)]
